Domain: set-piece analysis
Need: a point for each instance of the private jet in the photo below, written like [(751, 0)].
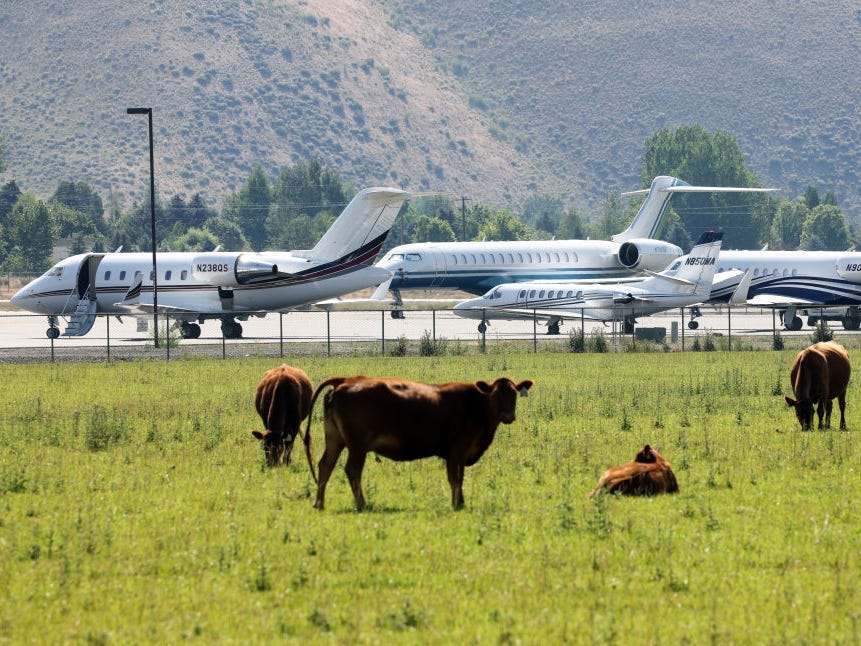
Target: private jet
[(228, 286), (688, 283), (475, 267)]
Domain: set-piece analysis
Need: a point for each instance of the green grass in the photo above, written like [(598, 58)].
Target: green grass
[(134, 508)]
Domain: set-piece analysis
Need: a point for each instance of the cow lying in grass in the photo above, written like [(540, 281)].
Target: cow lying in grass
[(819, 374), (408, 420), (647, 475), (283, 400)]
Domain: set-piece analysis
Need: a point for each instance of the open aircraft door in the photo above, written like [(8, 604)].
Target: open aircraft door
[(84, 316), (439, 269)]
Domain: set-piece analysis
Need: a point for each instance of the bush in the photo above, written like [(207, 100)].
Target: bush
[(399, 349), (821, 332), (430, 347), (598, 342), (576, 341)]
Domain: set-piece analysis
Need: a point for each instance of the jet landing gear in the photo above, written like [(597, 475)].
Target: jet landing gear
[(189, 330), (53, 331), (231, 329), (693, 324)]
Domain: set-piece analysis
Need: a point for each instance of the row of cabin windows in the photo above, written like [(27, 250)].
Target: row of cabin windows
[(766, 272), (167, 275), (533, 293), (509, 258)]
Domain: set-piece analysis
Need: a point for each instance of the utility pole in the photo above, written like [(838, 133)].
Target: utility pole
[(463, 216)]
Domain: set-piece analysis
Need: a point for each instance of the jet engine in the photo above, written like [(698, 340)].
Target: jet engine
[(643, 254), (229, 269)]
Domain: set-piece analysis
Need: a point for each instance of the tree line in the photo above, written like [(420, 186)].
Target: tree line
[(293, 211)]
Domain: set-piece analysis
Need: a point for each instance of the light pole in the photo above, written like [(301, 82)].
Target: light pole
[(148, 112)]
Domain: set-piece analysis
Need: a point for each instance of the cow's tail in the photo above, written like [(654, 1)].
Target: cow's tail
[(331, 381)]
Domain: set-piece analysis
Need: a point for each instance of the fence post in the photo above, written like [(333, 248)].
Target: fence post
[(167, 334), (683, 327), (108, 339), (382, 332), (729, 325), (534, 332), (281, 333), (433, 316), (328, 334)]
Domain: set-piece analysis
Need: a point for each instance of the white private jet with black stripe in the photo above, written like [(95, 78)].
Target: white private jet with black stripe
[(227, 286)]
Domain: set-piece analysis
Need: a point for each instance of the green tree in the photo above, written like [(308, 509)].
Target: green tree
[(133, 229), (613, 219), (250, 207), (428, 229), (572, 226), (195, 240), (825, 229), (9, 194), (698, 157), (2, 153), (80, 197), (503, 225), (31, 234), (788, 223), (543, 212), (227, 233)]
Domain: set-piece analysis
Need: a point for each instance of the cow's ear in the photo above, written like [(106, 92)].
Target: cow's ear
[(790, 401), (483, 386), (260, 435), (524, 386)]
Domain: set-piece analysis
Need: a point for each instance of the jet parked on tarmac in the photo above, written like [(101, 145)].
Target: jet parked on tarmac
[(228, 286)]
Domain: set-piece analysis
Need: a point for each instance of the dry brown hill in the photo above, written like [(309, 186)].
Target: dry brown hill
[(489, 100)]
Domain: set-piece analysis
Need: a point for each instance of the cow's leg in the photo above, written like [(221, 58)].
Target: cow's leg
[(828, 406), (355, 465), (334, 446), (455, 469), (841, 401)]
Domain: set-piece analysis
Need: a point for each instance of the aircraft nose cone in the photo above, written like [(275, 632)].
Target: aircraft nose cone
[(19, 297)]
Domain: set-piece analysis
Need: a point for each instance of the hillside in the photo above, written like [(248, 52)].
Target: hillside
[(488, 100)]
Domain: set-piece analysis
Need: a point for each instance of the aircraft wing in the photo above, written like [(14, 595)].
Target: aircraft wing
[(774, 300)]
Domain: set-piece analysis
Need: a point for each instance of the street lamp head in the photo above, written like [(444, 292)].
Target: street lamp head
[(138, 110)]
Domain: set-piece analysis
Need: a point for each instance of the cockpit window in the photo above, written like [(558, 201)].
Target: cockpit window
[(55, 271), (414, 256), (396, 256), (676, 265), (496, 292)]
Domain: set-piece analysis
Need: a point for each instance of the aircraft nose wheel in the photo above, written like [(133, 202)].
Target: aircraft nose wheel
[(693, 325), (52, 332), (231, 330), (482, 327)]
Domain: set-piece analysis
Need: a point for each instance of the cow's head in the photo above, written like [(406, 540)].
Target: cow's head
[(503, 395), (276, 447), (647, 455), (803, 411)]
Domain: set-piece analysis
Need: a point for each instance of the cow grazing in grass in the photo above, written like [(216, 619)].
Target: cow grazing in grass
[(283, 400), (647, 475), (408, 420), (819, 374)]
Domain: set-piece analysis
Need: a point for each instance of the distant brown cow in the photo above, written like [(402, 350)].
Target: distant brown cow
[(283, 400), (819, 374), (408, 420), (647, 475)]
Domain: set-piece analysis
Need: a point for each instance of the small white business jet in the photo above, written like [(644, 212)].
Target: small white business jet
[(475, 267), (228, 286), (688, 283)]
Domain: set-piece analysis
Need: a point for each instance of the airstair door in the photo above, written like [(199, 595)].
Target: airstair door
[(84, 316)]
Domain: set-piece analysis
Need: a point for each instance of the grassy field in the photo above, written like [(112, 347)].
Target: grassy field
[(134, 508)]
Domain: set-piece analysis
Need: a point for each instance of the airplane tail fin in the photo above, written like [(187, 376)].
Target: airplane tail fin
[(362, 226), (697, 272), (645, 224)]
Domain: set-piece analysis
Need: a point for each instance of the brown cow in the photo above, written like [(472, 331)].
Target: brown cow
[(819, 374), (647, 475), (283, 400), (408, 420)]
